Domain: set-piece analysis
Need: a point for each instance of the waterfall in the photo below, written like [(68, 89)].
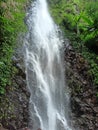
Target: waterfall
[(45, 71)]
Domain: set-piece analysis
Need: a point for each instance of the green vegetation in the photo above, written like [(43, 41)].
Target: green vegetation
[(11, 23), (79, 20)]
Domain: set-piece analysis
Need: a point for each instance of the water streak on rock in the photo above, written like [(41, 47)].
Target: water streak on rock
[(45, 71)]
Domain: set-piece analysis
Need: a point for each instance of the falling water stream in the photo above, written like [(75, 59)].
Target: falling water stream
[(45, 71)]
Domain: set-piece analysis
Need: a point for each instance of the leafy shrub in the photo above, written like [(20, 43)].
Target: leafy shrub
[(79, 20), (11, 22)]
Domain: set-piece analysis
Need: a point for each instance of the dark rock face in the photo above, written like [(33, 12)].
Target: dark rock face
[(14, 104), (84, 103)]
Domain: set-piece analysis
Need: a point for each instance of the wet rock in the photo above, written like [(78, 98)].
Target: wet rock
[(14, 104), (84, 105), (26, 128), (95, 109), (2, 128)]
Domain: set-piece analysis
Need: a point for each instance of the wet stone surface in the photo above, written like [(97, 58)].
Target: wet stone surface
[(14, 113), (84, 102)]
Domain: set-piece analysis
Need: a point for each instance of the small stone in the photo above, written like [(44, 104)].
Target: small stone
[(95, 109), (2, 128)]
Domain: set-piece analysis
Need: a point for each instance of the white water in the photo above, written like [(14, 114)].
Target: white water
[(44, 71)]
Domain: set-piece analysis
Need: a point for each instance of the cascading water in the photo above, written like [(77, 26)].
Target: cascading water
[(44, 71)]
